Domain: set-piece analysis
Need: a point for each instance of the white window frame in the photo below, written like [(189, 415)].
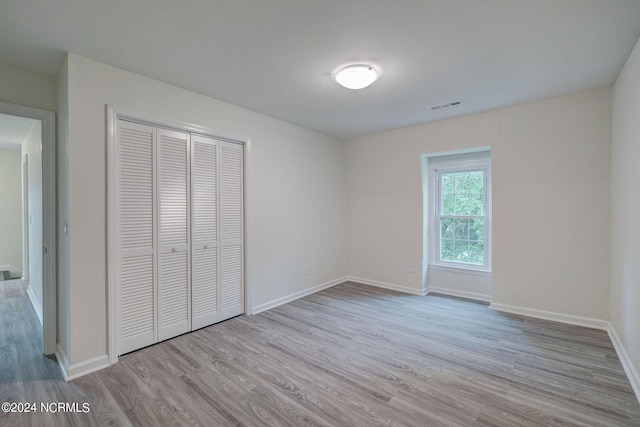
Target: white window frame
[(436, 167)]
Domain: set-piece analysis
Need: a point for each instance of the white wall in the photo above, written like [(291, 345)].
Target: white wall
[(22, 86), (625, 207), (550, 171), (32, 147), (550, 166), (11, 209), (298, 195)]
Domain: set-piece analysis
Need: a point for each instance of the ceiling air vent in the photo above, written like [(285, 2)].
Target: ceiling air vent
[(445, 106)]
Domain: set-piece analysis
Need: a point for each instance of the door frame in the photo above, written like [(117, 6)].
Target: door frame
[(113, 289), (25, 218), (49, 243)]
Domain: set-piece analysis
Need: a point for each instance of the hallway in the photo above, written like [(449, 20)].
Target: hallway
[(27, 376)]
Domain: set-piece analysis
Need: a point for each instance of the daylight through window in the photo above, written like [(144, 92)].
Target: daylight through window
[(461, 190), (462, 216)]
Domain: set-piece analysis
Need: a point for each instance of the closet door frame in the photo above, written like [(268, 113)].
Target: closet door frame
[(114, 114)]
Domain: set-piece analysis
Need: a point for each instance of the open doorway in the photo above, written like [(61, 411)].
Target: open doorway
[(27, 221), (21, 219)]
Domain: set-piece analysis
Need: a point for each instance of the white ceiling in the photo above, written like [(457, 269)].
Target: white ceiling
[(275, 56), (13, 130)]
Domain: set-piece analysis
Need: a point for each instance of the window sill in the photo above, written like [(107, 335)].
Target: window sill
[(461, 270)]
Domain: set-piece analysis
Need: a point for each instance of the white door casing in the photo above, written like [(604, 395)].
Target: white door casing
[(49, 243)]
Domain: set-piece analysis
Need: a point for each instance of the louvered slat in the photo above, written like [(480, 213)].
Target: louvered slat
[(231, 231), (173, 295), (204, 287), (173, 284), (136, 296), (232, 281), (231, 191), (135, 235), (204, 267), (173, 188), (205, 195), (136, 185)]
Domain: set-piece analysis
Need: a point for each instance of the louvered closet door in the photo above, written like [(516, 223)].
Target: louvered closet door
[(135, 234), (174, 302), (231, 230), (204, 232)]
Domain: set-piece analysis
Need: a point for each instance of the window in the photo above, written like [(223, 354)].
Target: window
[(461, 212)]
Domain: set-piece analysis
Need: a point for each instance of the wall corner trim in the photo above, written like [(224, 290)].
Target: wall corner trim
[(460, 294), (63, 361), (34, 302), (385, 285), (625, 360), (88, 366), (71, 372), (294, 296)]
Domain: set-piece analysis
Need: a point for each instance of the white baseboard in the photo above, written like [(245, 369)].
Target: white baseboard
[(88, 366), (623, 356), (625, 360), (457, 293), (549, 315), (35, 303), (391, 286), (63, 361), (294, 296), (71, 372)]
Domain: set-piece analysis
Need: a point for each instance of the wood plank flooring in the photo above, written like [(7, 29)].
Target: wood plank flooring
[(350, 355)]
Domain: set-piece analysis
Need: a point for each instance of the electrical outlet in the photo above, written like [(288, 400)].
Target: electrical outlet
[(412, 268), (305, 269)]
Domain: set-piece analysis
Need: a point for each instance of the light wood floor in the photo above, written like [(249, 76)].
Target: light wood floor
[(347, 356)]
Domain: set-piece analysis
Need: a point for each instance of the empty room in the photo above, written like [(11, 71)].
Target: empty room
[(331, 213)]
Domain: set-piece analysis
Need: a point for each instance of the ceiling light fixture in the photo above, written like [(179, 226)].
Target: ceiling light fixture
[(356, 76)]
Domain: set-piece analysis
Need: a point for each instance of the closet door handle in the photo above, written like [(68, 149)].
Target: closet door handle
[(206, 246), (173, 250)]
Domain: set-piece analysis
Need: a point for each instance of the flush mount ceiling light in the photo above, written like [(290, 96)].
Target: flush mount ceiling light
[(357, 76)]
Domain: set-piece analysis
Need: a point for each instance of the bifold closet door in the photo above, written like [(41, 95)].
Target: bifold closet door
[(135, 263), (231, 230), (174, 291), (180, 233), (204, 232)]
